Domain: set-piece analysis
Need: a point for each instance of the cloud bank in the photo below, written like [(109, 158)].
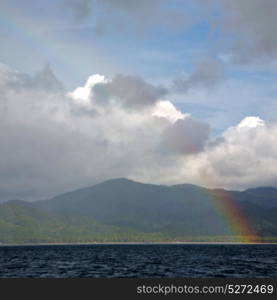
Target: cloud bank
[(113, 15), (245, 156), (207, 73), (52, 140), (248, 28)]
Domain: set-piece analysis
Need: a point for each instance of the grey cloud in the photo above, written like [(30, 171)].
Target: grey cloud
[(40, 158), (115, 14), (246, 28), (250, 27), (49, 144), (128, 5), (44, 80), (186, 136), (216, 141), (81, 111), (206, 74), (132, 92), (80, 8)]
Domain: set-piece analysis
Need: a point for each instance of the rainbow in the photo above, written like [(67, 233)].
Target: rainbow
[(233, 215)]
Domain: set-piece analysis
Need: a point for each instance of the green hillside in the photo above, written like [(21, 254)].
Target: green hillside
[(20, 222), (122, 210)]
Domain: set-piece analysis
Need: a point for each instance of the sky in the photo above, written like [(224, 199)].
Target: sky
[(158, 91)]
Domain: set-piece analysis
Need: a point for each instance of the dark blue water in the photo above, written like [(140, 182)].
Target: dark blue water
[(139, 261)]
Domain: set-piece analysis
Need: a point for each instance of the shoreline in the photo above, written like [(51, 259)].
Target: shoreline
[(136, 243)]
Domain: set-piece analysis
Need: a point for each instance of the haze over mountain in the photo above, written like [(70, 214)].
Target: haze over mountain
[(121, 210)]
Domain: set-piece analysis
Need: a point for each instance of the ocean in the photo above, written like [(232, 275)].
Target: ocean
[(139, 261)]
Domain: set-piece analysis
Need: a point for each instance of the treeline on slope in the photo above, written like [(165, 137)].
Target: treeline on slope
[(122, 210)]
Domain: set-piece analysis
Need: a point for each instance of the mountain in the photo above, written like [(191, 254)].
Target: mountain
[(22, 222), (262, 196), (145, 207), (124, 210)]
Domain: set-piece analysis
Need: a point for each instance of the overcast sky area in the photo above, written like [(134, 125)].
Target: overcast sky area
[(158, 91)]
